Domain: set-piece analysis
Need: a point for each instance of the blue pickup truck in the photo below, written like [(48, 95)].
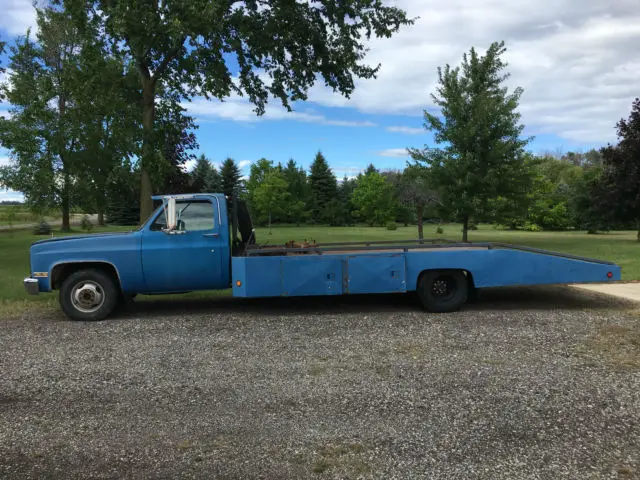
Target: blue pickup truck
[(207, 242)]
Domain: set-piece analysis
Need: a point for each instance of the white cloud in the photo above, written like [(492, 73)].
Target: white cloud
[(4, 161), (577, 61), (188, 165), (239, 109), (394, 152), (244, 163), (17, 16), (407, 130)]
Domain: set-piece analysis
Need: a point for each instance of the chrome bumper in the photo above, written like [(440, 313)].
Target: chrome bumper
[(31, 286)]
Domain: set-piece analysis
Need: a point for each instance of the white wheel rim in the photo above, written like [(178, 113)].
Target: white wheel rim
[(87, 296)]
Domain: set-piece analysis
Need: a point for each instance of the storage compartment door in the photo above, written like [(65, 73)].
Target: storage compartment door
[(376, 274), (311, 275)]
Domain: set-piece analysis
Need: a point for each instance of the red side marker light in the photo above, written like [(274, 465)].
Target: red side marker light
[(609, 275)]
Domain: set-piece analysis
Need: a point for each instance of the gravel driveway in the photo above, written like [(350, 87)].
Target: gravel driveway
[(540, 383)]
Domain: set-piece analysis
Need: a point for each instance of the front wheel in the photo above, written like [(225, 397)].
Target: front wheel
[(89, 295), (443, 290)]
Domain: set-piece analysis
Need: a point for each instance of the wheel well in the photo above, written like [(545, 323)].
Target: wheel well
[(467, 273), (63, 270)]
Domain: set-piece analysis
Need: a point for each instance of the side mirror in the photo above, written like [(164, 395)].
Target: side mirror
[(171, 214), (172, 223)]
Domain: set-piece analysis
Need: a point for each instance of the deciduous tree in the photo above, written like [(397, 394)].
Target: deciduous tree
[(620, 190), (44, 130), (478, 124), (270, 196), (187, 44), (374, 199)]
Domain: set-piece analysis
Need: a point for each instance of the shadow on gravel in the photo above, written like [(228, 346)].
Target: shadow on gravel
[(502, 299)]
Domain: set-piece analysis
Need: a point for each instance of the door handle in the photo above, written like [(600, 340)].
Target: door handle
[(211, 235)]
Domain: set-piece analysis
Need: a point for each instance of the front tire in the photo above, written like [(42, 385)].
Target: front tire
[(443, 291), (89, 295)]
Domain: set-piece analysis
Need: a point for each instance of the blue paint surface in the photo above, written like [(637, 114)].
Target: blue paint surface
[(147, 261), (373, 272)]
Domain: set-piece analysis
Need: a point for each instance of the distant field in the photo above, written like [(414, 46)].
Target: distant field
[(19, 214), (619, 247)]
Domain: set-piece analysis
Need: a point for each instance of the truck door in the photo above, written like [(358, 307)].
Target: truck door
[(189, 260)]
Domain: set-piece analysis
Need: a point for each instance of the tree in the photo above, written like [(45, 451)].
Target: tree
[(229, 176), (2, 69), (483, 156), (110, 126), (298, 188), (174, 145), (371, 169), (201, 173), (323, 187), (271, 196), (123, 186), (213, 181), (43, 132), (415, 191), (186, 46), (374, 199), (620, 187)]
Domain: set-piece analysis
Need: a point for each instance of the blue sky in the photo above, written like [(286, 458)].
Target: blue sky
[(577, 62)]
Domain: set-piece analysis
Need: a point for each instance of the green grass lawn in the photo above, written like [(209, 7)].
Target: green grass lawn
[(619, 247)]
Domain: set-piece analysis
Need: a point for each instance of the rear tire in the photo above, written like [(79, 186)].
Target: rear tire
[(89, 295), (443, 291)]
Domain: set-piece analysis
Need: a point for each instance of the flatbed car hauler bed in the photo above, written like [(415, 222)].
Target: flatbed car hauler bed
[(191, 242)]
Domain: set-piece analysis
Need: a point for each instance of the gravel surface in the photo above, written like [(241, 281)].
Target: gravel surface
[(510, 387)]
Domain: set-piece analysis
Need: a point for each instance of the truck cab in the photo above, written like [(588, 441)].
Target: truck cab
[(187, 249)]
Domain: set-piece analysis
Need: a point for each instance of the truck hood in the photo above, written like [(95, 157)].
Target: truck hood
[(70, 238)]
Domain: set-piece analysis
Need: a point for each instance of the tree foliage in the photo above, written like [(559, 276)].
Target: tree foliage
[(323, 189), (185, 46), (271, 196), (619, 192), (478, 123), (374, 199), (45, 129), (229, 176)]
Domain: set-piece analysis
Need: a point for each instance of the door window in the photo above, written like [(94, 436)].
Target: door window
[(192, 216)]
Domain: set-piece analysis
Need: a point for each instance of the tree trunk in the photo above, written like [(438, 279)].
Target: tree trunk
[(66, 223), (269, 223), (101, 218), (420, 211), (148, 115), (465, 227), (638, 234)]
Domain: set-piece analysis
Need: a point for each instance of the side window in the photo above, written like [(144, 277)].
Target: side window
[(192, 217), (197, 216)]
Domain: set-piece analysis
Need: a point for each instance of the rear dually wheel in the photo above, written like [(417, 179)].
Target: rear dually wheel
[(443, 290)]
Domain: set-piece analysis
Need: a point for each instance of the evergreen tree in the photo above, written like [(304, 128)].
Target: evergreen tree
[(213, 182), (298, 188), (123, 185), (200, 173), (229, 176), (323, 189), (371, 169)]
